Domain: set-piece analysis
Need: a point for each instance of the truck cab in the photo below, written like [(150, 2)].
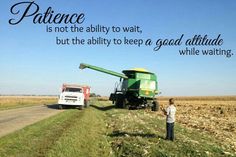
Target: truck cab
[(71, 95)]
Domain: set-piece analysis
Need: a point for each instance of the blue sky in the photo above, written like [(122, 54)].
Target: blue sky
[(31, 62)]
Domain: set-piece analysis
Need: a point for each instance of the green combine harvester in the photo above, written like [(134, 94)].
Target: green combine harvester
[(137, 88)]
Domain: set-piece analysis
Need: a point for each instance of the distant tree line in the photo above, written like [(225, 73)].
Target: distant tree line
[(94, 95)]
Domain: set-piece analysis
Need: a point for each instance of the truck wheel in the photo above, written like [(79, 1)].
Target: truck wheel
[(81, 107), (60, 106), (85, 103)]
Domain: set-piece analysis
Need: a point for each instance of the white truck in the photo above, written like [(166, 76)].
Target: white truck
[(71, 95)]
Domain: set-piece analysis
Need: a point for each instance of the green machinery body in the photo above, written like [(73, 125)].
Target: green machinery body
[(137, 86)]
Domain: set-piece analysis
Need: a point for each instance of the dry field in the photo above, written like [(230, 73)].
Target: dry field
[(9, 102), (213, 115)]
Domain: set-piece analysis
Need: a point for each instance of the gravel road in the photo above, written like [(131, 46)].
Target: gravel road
[(15, 119)]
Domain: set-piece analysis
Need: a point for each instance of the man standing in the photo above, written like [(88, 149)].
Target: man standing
[(170, 119)]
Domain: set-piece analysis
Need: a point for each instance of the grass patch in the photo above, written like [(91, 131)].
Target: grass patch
[(70, 133), (87, 137), (36, 139)]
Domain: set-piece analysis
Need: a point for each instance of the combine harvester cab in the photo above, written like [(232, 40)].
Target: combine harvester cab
[(137, 87), (74, 95)]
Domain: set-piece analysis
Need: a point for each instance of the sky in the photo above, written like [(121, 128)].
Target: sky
[(32, 63)]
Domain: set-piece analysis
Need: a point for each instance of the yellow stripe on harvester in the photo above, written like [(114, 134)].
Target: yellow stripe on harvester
[(140, 69)]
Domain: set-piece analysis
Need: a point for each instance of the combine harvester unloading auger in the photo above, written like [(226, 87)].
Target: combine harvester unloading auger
[(137, 88)]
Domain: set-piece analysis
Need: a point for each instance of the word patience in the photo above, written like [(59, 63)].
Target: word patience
[(24, 10)]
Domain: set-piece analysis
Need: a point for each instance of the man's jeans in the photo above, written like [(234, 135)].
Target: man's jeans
[(170, 131)]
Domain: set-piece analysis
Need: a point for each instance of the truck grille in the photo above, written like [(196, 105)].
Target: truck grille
[(71, 97)]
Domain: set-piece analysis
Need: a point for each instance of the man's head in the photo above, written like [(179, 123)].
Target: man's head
[(171, 101)]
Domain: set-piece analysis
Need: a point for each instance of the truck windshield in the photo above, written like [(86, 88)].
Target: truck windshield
[(73, 90)]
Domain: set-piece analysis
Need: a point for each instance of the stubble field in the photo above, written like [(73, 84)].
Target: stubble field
[(213, 115)]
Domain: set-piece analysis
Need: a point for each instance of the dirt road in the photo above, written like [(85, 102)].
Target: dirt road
[(15, 119)]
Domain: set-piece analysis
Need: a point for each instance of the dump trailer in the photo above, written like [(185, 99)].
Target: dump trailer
[(137, 87)]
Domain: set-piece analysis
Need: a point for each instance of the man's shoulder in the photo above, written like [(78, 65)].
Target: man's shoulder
[(173, 107)]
